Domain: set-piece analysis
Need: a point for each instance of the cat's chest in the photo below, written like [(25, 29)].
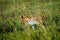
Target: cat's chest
[(31, 21)]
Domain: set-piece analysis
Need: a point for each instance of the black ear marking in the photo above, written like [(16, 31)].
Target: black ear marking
[(22, 16)]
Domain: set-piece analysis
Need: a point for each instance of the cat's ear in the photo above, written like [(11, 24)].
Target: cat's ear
[(22, 16)]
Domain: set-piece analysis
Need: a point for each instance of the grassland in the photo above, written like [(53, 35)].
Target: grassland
[(11, 10)]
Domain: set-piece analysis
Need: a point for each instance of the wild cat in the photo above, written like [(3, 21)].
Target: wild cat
[(31, 20)]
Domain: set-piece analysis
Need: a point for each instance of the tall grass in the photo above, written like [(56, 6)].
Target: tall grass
[(11, 10)]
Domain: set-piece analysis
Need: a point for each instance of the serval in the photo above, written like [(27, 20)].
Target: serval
[(31, 20)]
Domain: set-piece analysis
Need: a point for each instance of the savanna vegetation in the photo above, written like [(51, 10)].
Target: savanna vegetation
[(11, 27)]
